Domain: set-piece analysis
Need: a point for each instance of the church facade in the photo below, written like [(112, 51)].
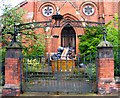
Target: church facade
[(73, 10)]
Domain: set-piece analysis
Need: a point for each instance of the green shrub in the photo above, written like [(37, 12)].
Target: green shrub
[(32, 65), (90, 70)]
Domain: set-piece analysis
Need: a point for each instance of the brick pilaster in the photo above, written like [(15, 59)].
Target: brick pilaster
[(106, 82), (12, 71), (105, 68)]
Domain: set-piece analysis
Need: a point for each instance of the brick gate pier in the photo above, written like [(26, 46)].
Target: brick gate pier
[(105, 70)]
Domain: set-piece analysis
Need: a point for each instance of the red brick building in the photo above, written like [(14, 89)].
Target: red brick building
[(40, 10)]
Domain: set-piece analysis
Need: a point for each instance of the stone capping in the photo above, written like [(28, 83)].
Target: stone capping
[(105, 44), (14, 45), (9, 86), (107, 80), (117, 80)]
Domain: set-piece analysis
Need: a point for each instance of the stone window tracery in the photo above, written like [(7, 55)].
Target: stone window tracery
[(88, 10), (47, 10)]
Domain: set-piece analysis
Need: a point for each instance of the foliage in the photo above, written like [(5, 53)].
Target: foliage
[(32, 65), (1, 79), (2, 55), (89, 41), (2, 59), (9, 18), (112, 37), (33, 44), (90, 70), (93, 36)]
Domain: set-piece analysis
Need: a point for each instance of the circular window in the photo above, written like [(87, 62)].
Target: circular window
[(88, 10), (47, 11)]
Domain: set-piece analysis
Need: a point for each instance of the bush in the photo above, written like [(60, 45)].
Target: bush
[(32, 65), (90, 70)]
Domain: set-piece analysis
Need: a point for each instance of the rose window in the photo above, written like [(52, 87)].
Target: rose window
[(47, 11), (88, 10)]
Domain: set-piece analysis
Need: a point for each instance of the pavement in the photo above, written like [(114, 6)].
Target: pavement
[(54, 94)]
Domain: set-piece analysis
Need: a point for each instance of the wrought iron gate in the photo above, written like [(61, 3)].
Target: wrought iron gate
[(40, 74)]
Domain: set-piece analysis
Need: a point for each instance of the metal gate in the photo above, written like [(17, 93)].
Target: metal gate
[(40, 74)]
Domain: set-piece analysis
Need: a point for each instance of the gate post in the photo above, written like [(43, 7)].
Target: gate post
[(12, 70), (105, 68)]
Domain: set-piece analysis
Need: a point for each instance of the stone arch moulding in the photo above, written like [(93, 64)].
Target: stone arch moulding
[(71, 17), (68, 17), (47, 4), (93, 4)]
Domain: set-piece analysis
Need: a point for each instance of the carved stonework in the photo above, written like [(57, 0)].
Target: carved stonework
[(14, 51), (105, 53), (105, 50)]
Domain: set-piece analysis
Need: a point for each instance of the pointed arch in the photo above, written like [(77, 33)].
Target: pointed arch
[(67, 19), (68, 37)]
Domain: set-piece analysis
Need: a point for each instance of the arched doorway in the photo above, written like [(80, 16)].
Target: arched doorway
[(68, 37)]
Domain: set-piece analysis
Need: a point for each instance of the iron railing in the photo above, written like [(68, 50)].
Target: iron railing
[(39, 71), (60, 75)]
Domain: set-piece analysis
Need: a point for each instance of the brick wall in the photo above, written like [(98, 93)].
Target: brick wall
[(12, 71), (12, 77), (106, 68), (103, 11)]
